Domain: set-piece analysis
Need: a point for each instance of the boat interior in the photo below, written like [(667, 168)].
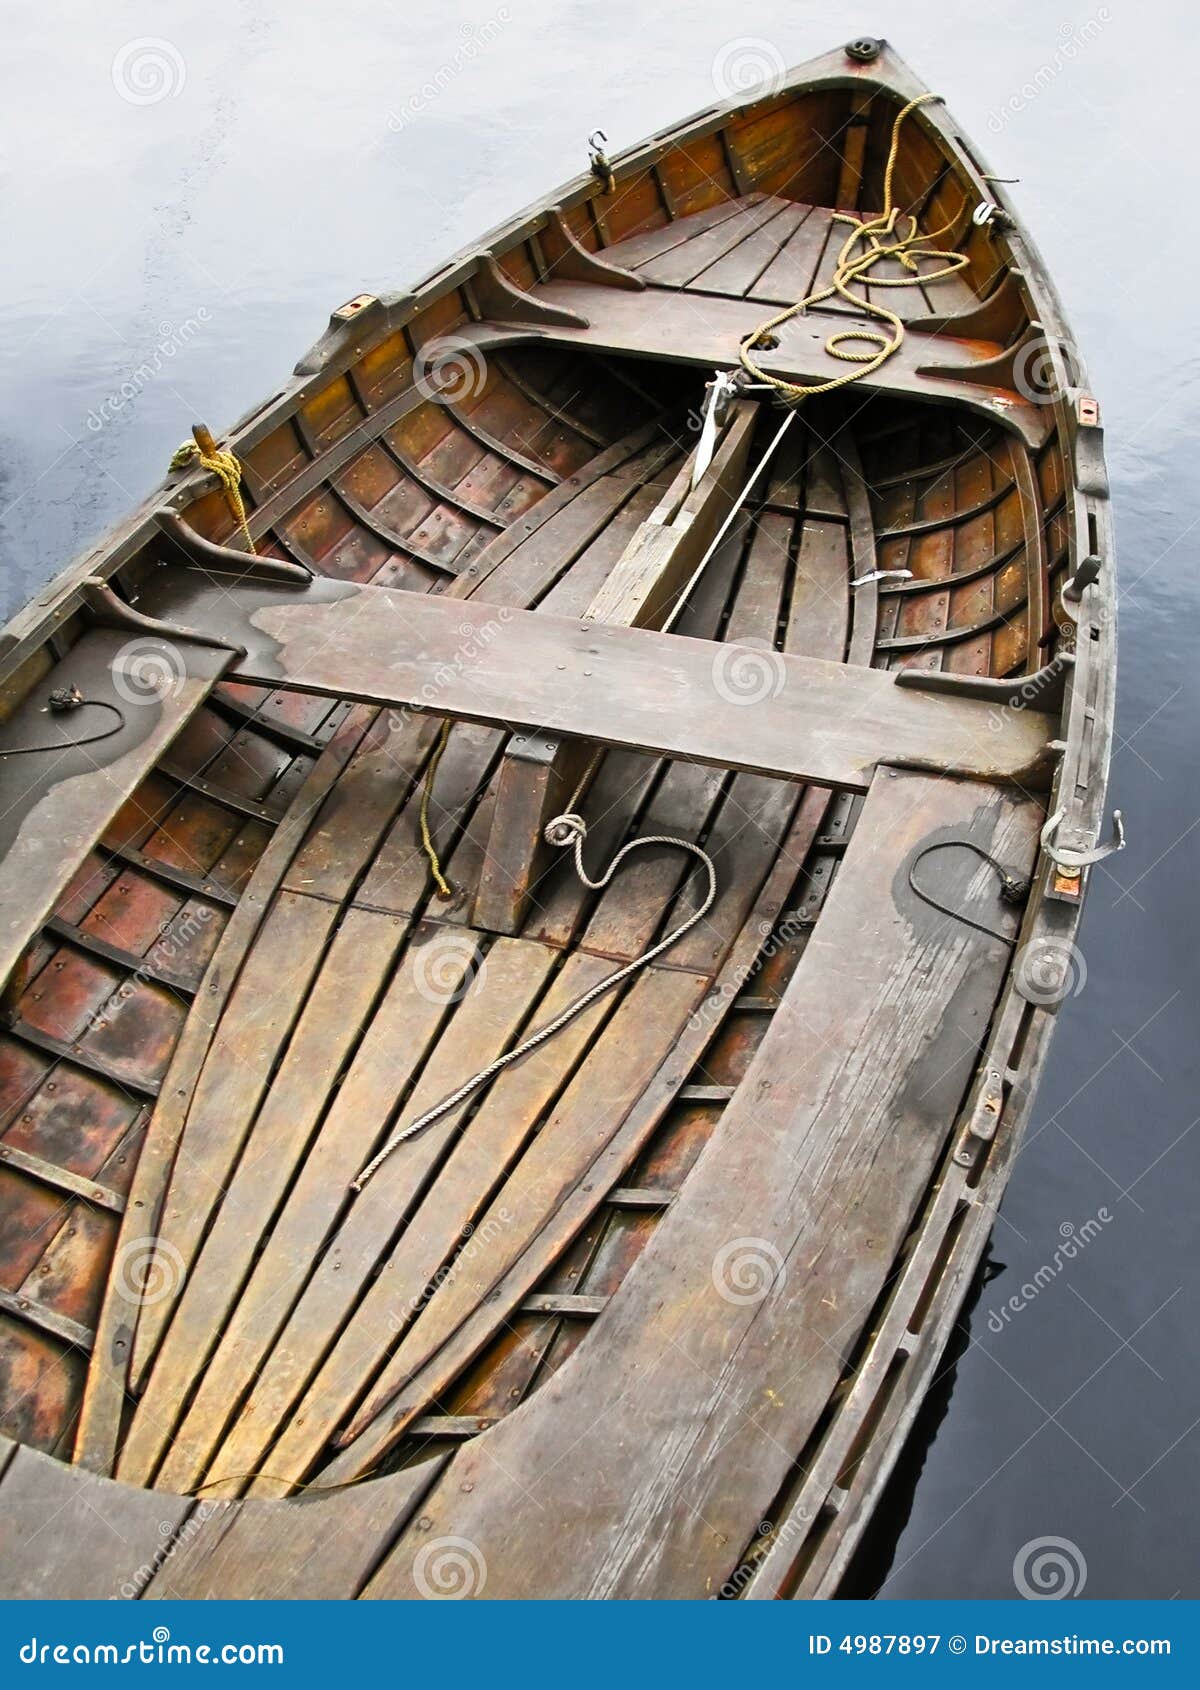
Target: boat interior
[(233, 978)]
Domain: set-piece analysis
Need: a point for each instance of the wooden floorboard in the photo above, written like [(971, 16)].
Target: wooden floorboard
[(315, 1548), (709, 1398), (67, 1534)]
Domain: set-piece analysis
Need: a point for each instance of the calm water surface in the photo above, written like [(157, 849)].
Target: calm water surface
[(302, 153)]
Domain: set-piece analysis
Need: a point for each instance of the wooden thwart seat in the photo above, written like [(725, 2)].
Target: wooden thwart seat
[(810, 720)]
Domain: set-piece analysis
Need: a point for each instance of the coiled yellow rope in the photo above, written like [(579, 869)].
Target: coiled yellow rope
[(228, 472), (852, 267)]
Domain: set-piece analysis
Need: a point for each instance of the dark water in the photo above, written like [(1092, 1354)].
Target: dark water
[(302, 153)]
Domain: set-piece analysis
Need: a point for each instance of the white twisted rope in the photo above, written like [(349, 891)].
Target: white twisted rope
[(569, 829)]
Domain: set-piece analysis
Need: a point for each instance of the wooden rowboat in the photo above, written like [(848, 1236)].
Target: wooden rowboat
[(306, 1290)]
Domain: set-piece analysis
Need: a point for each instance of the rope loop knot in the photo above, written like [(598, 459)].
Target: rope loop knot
[(565, 830)]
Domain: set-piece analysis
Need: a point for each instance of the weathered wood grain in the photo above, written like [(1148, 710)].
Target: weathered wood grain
[(816, 721), (721, 1348)]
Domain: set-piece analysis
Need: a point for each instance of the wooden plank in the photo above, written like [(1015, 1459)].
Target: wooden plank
[(104, 1395), (248, 1041), (68, 1535), (677, 267), (392, 1049), (737, 272), (709, 1394), (427, 1253), (34, 1313), (493, 999), (662, 556), (819, 612), (441, 1348), (789, 276), (340, 1001), (55, 805), (62, 1179), (318, 1547), (818, 721), (616, 1072), (635, 251)]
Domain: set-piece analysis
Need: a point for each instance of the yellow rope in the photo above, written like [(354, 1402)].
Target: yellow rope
[(228, 472), (852, 267), (445, 890)]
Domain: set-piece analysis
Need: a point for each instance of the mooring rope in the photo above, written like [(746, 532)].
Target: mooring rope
[(852, 267), (228, 472)]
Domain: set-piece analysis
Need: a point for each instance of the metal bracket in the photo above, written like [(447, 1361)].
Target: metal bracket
[(1071, 860), (882, 575)]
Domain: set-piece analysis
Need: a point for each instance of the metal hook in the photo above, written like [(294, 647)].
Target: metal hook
[(1072, 861), (601, 168)]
